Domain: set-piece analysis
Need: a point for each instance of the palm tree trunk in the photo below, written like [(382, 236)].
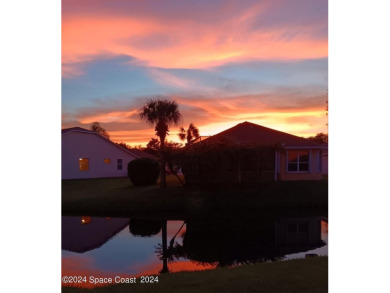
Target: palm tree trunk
[(164, 243), (163, 181)]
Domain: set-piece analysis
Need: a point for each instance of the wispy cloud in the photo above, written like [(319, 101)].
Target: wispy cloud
[(110, 117), (169, 79)]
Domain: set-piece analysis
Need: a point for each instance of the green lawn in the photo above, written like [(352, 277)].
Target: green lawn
[(295, 276), (116, 196)]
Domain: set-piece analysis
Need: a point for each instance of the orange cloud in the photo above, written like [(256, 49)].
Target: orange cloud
[(283, 111), (221, 115), (115, 116)]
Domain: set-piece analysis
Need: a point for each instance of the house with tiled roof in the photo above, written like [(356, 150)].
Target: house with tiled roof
[(293, 157), (87, 154)]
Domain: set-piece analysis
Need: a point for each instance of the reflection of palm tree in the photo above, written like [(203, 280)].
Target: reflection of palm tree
[(174, 236), (192, 133), (171, 253), (164, 244), (162, 114)]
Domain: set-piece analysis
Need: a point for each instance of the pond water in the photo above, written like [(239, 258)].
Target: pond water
[(109, 247)]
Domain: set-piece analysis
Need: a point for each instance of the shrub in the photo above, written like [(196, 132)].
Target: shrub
[(143, 171)]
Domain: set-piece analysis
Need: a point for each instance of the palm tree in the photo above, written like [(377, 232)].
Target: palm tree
[(96, 127), (192, 133), (162, 114)]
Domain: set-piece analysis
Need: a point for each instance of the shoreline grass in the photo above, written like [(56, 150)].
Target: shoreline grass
[(117, 197), (308, 275)]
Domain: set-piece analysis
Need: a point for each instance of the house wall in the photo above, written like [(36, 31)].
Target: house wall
[(325, 163), (76, 145), (315, 168)]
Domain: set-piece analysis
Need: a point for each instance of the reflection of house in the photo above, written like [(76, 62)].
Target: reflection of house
[(80, 234), (296, 232), (296, 159), (87, 154), (243, 239)]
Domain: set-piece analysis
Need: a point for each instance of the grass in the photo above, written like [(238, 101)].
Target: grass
[(308, 275), (117, 197)]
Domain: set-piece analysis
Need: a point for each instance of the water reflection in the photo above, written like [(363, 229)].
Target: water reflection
[(81, 234), (148, 246), (145, 227), (231, 242)]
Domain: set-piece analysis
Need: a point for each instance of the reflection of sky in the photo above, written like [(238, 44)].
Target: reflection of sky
[(122, 251), (122, 254)]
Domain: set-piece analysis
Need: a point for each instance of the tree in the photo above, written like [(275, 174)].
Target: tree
[(191, 134), (153, 146), (124, 145), (170, 153), (96, 127), (161, 114), (320, 138)]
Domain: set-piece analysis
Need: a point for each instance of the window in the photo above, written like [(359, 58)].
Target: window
[(119, 163), (85, 220), (84, 164), (298, 161), (297, 233), (107, 161)]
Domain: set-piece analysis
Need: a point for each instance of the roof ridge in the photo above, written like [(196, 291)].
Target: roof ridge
[(79, 129), (242, 132)]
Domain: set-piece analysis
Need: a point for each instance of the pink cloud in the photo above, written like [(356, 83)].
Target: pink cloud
[(188, 42)]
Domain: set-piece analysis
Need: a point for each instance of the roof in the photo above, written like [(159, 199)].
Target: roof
[(135, 153), (143, 154), (78, 237), (249, 133), (66, 130)]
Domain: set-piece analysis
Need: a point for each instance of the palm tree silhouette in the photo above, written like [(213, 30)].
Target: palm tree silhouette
[(162, 114), (192, 133)]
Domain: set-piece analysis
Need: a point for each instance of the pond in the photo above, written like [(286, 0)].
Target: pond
[(109, 247)]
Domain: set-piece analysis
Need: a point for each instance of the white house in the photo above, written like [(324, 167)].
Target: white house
[(87, 154)]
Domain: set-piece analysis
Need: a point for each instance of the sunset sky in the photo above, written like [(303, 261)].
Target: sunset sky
[(224, 62)]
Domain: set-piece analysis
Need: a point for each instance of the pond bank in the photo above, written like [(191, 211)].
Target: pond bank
[(308, 275), (117, 197)]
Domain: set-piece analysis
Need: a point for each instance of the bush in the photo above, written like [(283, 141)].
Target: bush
[(143, 171)]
